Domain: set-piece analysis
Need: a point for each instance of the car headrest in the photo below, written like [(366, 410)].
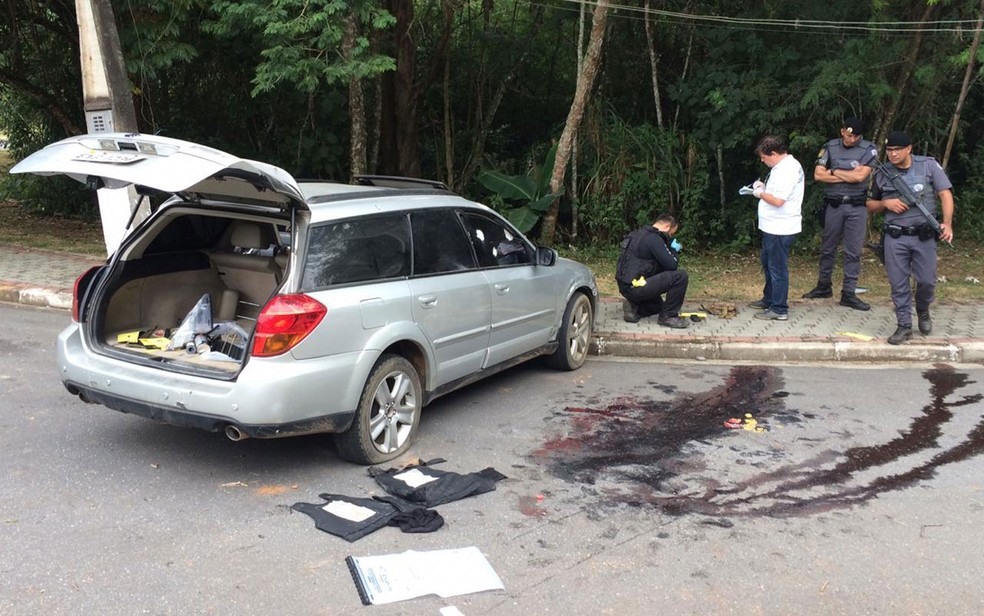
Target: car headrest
[(247, 235)]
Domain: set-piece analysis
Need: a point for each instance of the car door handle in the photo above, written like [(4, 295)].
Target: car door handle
[(501, 288), (427, 301)]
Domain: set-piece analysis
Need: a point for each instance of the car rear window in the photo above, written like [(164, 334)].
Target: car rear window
[(191, 232), (357, 250)]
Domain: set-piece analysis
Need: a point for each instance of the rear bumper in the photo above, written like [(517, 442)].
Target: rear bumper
[(271, 397), (337, 422)]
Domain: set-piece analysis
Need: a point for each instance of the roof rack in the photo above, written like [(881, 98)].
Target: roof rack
[(392, 181)]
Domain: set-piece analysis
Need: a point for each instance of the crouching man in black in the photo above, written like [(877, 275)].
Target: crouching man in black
[(647, 269)]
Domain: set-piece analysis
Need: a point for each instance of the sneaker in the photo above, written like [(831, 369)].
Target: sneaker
[(630, 312), (674, 322), (768, 315), (760, 305), (902, 333), (853, 301), (925, 323), (819, 292)]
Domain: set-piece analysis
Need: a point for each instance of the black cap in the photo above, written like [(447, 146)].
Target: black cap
[(853, 125), (897, 139)]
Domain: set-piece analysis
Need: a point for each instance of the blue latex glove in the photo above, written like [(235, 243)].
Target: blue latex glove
[(675, 245)]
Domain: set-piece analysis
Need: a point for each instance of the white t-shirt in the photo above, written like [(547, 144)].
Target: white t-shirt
[(786, 182)]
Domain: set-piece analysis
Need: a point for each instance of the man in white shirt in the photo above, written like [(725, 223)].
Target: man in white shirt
[(780, 220)]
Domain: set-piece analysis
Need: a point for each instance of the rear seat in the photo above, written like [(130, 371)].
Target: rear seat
[(252, 278)]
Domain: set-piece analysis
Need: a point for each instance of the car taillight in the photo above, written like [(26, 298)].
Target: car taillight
[(284, 322), (78, 289)]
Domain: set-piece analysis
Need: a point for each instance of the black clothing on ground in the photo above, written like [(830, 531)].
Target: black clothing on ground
[(353, 518), (429, 487)]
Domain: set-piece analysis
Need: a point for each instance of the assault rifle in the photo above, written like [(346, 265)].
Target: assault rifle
[(907, 196)]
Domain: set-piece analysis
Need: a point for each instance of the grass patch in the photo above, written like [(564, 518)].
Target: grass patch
[(738, 276), (20, 228)]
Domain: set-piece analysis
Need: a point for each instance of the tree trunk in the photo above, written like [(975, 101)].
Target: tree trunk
[(653, 66), (965, 86), (902, 83), (683, 74), (399, 148), (585, 82), (575, 194), (448, 124), (720, 165), (357, 105)]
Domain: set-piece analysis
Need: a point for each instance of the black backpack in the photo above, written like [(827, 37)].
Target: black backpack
[(629, 266)]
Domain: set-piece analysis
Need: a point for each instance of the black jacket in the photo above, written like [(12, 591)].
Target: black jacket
[(645, 252)]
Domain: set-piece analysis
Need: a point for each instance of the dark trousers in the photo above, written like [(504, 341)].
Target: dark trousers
[(909, 257), (775, 266), (648, 298), (850, 223)]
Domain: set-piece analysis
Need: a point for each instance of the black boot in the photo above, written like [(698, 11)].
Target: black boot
[(821, 291), (630, 312), (902, 333), (925, 322), (674, 322), (853, 301)]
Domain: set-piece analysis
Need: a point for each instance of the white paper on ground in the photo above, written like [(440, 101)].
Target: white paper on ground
[(348, 511), (446, 573), (414, 478)]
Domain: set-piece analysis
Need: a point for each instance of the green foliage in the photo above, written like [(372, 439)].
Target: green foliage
[(525, 198), (633, 173), (28, 129), (302, 40)]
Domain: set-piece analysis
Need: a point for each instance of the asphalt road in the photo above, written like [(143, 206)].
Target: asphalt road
[(626, 494)]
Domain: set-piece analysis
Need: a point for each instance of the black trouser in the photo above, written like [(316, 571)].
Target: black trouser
[(648, 298)]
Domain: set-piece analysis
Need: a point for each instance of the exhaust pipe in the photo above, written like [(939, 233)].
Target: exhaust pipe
[(233, 433)]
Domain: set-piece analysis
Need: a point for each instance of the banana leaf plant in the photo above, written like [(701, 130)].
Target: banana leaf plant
[(528, 196)]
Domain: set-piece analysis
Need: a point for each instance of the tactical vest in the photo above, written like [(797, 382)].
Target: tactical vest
[(836, 156), (919, 178)]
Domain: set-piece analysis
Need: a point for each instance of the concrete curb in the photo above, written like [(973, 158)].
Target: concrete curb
[(765, 350), (34, 295)]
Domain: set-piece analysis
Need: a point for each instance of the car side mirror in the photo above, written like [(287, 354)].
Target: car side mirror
[(545, 256)]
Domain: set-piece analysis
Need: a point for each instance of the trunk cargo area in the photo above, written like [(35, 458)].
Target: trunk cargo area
[(152, 290)]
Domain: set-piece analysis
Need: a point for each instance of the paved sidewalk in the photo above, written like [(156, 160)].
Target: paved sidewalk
[(817, 330)]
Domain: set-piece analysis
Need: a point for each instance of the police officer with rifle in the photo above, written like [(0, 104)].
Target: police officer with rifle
[(906, 190)]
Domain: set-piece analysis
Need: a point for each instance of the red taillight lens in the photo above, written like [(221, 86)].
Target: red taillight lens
[(284, 322), (81, 286)]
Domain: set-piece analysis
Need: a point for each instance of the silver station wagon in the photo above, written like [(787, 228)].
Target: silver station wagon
[(252, 304)]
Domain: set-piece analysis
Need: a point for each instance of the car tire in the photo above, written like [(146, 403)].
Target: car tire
[(388, 415), (574, 336)]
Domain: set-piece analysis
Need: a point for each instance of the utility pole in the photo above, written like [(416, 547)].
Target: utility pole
[(108, 106)]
